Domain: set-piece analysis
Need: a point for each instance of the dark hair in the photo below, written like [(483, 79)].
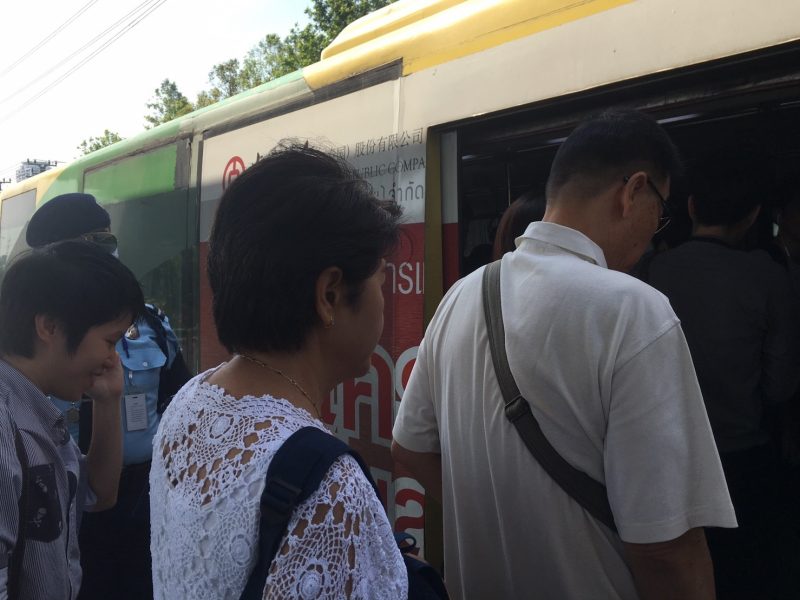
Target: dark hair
[(76, 283), (725, 189), (610, 146), (523, 211), (287, 218)]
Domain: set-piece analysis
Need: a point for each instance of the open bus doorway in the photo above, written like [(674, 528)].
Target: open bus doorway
[(766, 136), (745, 108)]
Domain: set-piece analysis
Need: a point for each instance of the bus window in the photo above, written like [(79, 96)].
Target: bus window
[(150, 214), (16, 212)]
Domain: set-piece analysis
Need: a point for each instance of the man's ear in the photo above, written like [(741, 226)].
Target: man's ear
[(330, 293), (47, 328), (634, 184)]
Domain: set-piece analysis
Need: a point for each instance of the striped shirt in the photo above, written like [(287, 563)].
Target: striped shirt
[(56, 491)]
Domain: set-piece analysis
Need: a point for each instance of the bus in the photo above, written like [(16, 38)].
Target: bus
[(453, 108)]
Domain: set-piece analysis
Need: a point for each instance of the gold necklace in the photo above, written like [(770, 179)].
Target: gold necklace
[(261, 363)]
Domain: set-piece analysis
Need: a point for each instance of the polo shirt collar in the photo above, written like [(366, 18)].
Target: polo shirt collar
[(570, 240), (32, 410)]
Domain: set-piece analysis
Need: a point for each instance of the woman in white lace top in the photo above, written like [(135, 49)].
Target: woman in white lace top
[(296, 265)]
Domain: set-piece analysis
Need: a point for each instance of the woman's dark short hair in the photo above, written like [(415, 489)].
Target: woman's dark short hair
[(287, 218), (78, 284), (522, 212), (605, 149)]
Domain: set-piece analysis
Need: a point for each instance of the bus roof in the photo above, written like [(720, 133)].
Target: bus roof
[(418, 33)]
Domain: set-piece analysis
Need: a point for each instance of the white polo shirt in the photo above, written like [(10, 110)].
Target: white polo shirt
[(603, 362)]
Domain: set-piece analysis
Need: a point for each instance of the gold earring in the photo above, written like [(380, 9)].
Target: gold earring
[(330, 324)]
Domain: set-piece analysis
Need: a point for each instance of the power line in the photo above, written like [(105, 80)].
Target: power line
[(85, 60), (49, 37), (88, 44)]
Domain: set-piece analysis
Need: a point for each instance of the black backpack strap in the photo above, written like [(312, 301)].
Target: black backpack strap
[(587, 492), (18, 554), (295, 472)]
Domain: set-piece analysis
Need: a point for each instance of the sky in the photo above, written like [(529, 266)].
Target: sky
[(178, 39)]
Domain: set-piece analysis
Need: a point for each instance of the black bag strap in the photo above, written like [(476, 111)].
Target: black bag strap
[(587, 492), (18, 554), (295, 472), (172, 375), (155, 318)]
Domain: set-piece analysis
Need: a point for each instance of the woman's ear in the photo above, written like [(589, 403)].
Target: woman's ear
[(330, 293)]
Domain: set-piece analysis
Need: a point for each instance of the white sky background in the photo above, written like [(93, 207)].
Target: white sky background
[(180, 40)]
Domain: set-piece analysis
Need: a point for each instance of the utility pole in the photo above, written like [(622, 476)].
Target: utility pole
[(3, 182)]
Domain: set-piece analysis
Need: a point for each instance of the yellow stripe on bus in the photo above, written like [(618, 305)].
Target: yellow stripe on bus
[(443, 33), (41, 183)]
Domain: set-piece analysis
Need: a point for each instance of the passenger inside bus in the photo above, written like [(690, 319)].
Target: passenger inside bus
[(523, 211), (738, 313)]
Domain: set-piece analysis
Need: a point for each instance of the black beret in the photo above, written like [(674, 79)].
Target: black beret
[(66, 217)]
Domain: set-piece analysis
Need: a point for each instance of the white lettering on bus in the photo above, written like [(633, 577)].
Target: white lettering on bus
[(406, 278)]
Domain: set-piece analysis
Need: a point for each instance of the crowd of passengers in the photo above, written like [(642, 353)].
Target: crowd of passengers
[(603, 435)]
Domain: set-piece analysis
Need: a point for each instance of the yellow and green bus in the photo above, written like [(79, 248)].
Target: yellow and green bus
[(454, 108)]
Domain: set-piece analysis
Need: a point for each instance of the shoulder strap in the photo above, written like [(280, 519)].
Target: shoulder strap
[(17, 556), (587, 492), (295, 472), (173, 374), (155, 319)]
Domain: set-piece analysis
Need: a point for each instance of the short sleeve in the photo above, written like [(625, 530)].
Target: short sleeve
[(86, 498), (416, 427), (339, 544), (662, 468)]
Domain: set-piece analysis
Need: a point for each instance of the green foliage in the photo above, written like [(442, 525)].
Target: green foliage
[(169, 103), (329, 17), (271, 58), (274, 57), (95, 143)]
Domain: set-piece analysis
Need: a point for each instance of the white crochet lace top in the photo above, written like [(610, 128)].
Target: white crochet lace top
[(210, 458)]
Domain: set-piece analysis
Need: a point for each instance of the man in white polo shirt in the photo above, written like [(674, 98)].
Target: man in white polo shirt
[(602, 360)]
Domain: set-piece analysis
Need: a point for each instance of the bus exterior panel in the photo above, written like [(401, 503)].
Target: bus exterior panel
[(394, 88)]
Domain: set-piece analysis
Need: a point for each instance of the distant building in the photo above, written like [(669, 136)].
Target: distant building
[(32, 167)]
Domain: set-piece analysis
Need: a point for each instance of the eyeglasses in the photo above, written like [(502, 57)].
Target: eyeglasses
[(107, 241), (665, 217)]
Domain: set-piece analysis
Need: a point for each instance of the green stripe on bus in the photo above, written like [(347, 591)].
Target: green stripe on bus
[(138, 176)]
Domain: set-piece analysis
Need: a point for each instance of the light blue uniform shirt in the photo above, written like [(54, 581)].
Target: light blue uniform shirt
[(142, 360)]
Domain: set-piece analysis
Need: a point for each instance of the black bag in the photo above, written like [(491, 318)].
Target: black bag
[(295, 472), (587, 492)]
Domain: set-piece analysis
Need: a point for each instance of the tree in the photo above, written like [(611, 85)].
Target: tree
[(274, 57), (329, 17), (226, 81), (169, 103), (263, 62), (303, 47), (95, 143)]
